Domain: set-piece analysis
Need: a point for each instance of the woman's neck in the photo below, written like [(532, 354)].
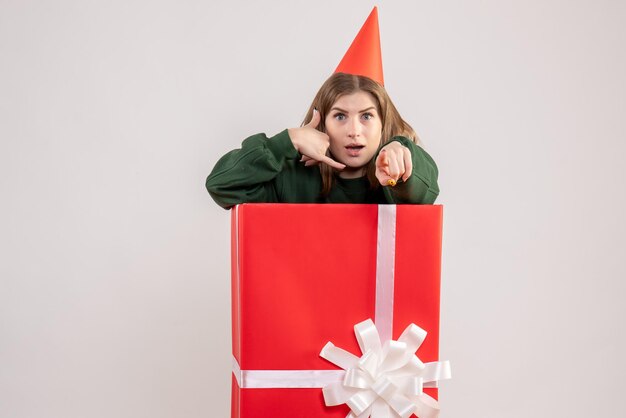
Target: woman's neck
[(352, 173)]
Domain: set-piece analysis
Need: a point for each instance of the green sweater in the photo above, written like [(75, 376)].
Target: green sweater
[(268, 170)]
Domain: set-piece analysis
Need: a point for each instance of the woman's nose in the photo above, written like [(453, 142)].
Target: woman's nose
[(354, 128)]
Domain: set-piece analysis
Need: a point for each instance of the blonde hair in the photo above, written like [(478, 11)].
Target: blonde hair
[(340, 84)]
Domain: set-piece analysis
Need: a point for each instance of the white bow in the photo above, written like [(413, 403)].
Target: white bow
[(387, 380)]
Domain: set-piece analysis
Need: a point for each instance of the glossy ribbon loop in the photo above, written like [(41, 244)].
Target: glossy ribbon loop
[(387, 380)]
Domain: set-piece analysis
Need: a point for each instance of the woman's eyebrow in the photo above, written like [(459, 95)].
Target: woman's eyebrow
[(345, 111)]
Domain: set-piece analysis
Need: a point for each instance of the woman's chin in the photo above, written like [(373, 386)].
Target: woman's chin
[(352, 171)]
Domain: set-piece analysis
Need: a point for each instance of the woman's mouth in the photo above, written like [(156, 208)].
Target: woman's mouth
[(354, 149)]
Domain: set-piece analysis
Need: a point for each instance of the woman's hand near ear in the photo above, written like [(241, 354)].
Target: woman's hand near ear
[(313, 144)]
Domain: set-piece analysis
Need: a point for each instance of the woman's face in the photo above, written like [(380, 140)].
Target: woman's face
[(354, 127)]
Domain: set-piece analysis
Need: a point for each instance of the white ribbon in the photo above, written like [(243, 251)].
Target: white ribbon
[(285, 378), (387, 380), (385, 269)]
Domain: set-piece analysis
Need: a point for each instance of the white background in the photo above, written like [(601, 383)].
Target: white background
[(114, 272)]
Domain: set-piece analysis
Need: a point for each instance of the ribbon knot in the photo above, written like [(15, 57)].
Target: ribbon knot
[(387, 380)]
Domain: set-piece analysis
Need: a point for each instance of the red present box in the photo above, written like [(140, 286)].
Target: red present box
[(305, 274)]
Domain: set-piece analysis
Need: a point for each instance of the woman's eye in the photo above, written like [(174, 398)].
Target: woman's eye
[(367, 116), (340, 116)]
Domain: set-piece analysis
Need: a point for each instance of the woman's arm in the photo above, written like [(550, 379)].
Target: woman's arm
[(246, 175), (416, 174)]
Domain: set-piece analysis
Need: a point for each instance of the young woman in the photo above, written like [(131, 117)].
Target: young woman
[(353, 147)]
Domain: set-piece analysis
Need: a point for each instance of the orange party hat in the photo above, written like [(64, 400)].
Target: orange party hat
[(364, 56)]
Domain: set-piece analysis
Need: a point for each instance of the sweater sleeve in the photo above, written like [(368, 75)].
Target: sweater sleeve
[(246, 175), (421, 187)]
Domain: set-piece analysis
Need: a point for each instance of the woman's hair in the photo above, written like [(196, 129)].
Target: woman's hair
[(340, 84)]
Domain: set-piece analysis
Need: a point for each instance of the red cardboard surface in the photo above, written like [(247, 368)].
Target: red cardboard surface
[(303, 275)]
